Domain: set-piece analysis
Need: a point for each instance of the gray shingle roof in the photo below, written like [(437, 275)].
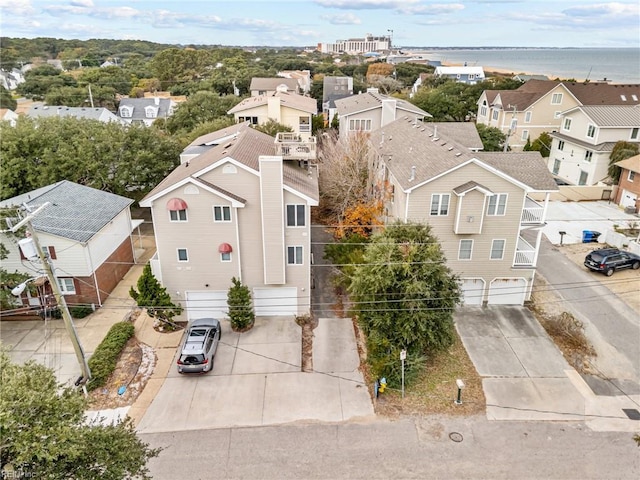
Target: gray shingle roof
[(464, 133), (46, 111), (76, 212), (415, 155), (291, 100), (370, 100), (270, 84), (164, 106), (468, 186)]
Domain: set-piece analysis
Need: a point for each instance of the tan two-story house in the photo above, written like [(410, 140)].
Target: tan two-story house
[(239, 208), (477, 204)]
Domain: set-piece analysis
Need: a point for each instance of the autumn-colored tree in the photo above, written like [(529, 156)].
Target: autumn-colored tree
[(360, 219), (379, 68)]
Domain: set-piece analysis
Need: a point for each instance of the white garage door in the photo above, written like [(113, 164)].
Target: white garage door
[(628, 199), (275, 301), (207, 304), (472, 291), (507, 291)]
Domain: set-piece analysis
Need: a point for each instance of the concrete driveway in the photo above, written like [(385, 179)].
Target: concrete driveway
[(256, 380), (525, 377)]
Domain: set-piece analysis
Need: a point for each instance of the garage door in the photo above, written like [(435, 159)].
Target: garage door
[(507, 291), (472, 291), (628, 199), (275, 301), (206, 304)]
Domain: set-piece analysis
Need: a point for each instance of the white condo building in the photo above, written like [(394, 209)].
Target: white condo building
[(355, 46)]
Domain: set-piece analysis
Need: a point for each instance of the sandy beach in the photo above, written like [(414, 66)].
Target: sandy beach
[(506, 72)]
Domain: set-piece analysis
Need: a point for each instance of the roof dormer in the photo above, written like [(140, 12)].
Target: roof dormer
[(126, 111), (151, 111)]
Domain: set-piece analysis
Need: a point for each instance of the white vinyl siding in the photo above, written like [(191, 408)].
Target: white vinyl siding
[(465, 249), (497, 249), (440, 204)]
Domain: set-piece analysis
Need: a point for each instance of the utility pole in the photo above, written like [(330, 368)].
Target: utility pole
[(62, 304), (90, 96), (510, 131)]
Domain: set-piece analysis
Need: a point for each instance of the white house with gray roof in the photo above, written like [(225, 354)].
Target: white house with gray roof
[(85, 232), (478, 204), (236, 207), (145, 110), (581, 148), (371, 110), (88, 113)]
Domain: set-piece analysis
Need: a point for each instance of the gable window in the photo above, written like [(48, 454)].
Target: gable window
[(525, 135), (296, 216), (527, 117), (495, 114), (583, 177), (560, 145), (497, 204), (556, 166), (357, 124), (634, 133), (556, 99), (591, 131), (567, 124), (631, 176), (221, 213), (440, 204), (294, 255), (182, 255), (588, 155), (497, 249), (67, 286), (178, 215), (465, 249)]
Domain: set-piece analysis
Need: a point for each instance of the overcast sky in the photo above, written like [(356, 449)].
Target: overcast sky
[(534, 23)]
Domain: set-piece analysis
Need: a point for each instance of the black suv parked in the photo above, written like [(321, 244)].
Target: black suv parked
[(608, 260)]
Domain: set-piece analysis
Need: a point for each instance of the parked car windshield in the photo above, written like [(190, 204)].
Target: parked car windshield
[(192, 359)]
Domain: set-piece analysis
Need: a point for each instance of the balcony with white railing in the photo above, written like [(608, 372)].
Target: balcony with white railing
[(525, 254), (292, 147), (532, 213)]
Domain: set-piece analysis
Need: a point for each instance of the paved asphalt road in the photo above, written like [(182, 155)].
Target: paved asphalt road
[(420, 448), (610, 324)]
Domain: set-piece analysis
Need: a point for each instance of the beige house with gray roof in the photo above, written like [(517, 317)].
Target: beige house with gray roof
[(234, 208), (268, 86), (478, 204), (371, 110)]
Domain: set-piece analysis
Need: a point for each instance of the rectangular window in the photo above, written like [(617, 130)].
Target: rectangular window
[(440, 204), (583, 177), (588, 155), (253, 120), (560, 145), (304, 124), (634, 133), (360, 125), (556, 99), (225, 257), (631, 176), (525, 135), (294, 255), (497, 204), (465, 249), (497, 249), (591, 131), (483, 111), (295, 216), (556, 166), (50, 252), (178, 215), (495, 114), (67, 286), (182, 255), (221, 213), (527, 117), (567, 124)]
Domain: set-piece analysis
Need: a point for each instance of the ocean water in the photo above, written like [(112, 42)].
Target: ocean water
[(619, 65)]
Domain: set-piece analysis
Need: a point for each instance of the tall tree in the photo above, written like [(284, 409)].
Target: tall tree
[(404, 295), (6, 99), (45, 434), (541, 144), (155, 298), (492, 138), (199, 108), (621, 151)]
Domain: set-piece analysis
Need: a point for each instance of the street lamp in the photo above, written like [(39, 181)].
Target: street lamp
[(18, 289)]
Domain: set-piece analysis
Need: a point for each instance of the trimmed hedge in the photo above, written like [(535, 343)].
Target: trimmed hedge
[(103, 361)]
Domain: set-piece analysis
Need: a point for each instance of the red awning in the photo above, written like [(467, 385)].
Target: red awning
[(176, 204), (225, 248)]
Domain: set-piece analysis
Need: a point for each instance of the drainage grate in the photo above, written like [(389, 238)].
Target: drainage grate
[(632, 413)]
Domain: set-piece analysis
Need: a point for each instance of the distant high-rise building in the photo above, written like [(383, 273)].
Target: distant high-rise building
[(355, 46)]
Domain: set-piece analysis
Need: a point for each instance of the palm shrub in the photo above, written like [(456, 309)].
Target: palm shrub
[(240, 306)]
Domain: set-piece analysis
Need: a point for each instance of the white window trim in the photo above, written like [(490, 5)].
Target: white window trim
[(527, 117), (588, 156), (561, 145), (589, 127), (637, 135), (440, 204), (186, 251), (556, 162), (222, 210), (558, 96), (525, 135), (64, 290), (178, 219), (295, 215), (631, 176), (470, 250), (295, 248), (495, 114), (483, 110), (497, 196), (566, 125), (504, 244), (225, 260)]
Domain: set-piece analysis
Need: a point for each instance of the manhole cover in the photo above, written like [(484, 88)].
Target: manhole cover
[(456, 437), (632, 413)]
